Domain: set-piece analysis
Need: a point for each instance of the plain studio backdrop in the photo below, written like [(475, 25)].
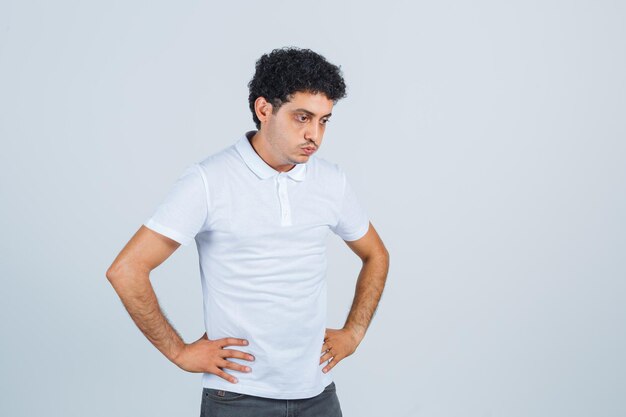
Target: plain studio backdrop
[(485, 139)]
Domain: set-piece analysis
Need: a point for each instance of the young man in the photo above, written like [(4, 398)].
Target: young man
[(259, 212)]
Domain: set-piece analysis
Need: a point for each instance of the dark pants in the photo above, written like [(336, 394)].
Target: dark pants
[(219, 403)]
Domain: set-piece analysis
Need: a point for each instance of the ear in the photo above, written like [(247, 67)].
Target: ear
[(263, 109)]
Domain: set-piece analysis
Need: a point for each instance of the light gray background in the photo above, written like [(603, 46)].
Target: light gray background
[(486, 139)]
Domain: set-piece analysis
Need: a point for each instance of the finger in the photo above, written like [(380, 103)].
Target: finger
[(226, 376), (231, 353), (325, 347), (235, 366), (325, 357), (331, 365), (231, 341)]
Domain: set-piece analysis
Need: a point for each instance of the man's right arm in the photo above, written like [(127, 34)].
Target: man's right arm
[(130, 277)]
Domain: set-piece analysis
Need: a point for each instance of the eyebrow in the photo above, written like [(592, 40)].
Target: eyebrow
[(310, 113)]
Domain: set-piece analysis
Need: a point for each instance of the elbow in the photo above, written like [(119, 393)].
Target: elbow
[(385, 257), (119, 271), (123, 279), (112, 273), (109, 274), (381, 256)]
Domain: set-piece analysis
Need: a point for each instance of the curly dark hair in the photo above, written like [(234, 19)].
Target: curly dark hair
[(288, 70)]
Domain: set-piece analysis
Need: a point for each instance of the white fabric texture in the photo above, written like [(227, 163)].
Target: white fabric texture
[(260, 236)]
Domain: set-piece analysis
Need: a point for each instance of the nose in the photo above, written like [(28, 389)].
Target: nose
[(312, 133)]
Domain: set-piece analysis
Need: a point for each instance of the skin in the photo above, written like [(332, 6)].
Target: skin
[(298, 123), (284, 132), (302, 122), (129, 274)]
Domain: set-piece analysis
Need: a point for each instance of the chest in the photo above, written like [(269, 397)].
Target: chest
[(273, 205)]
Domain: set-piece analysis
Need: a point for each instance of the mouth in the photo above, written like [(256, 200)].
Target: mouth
[(308, 150)]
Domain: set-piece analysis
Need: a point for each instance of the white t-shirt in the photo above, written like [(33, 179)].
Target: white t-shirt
[(261, 236)]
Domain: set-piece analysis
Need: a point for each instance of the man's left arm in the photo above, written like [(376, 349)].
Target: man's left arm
[(341, 343)]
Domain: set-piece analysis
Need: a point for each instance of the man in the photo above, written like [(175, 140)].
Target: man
[(259, 212)]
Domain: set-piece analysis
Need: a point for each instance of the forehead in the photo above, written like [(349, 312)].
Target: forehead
[(317, 103)]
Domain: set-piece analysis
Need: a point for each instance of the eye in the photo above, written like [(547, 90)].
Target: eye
[(324, 121), (302, 117)]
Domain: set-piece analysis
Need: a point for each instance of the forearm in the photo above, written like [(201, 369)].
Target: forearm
[(137, 295), (369, 289)]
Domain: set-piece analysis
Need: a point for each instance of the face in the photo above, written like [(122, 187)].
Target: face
[(295, 132)]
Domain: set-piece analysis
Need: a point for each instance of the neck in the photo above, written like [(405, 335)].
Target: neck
[(261, 146)]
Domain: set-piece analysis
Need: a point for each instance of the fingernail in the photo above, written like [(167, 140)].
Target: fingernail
[(235, 380), (251, 357), (245, 342), (247, 369)]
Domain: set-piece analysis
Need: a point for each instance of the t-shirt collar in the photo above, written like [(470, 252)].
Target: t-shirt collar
[(259, 166)]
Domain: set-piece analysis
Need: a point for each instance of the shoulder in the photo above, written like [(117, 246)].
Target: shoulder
[(219, 161), (325, 169)]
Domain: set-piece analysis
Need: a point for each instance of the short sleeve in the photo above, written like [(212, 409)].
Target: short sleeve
[(183, 212), (353, 222)]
